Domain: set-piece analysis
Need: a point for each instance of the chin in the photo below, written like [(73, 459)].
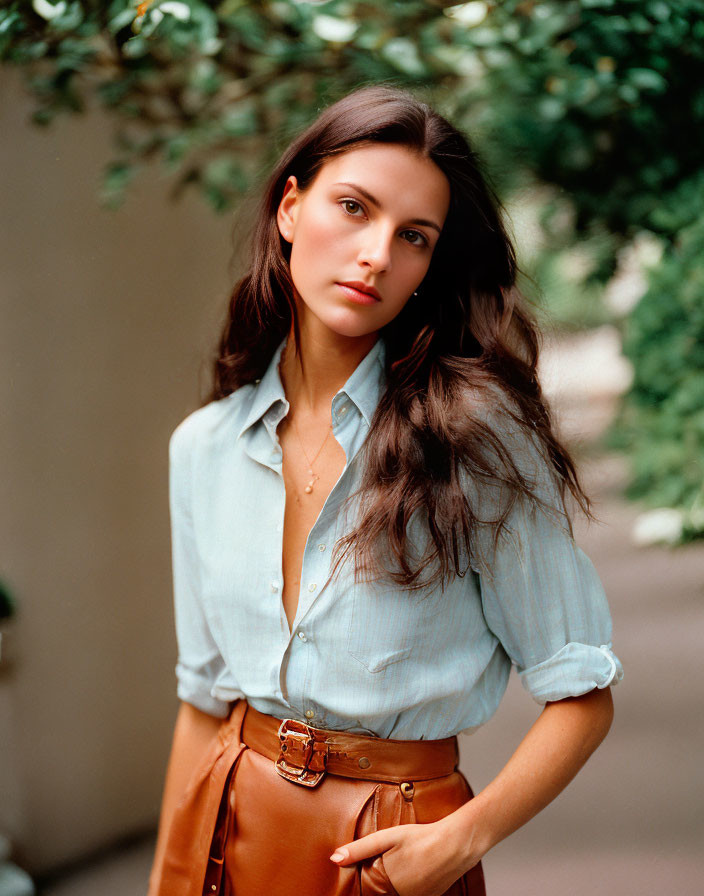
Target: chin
[(355, 332), (349, 324)]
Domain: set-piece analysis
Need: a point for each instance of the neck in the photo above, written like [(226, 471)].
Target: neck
[(327, 360)]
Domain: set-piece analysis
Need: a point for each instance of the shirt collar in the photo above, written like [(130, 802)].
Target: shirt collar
[(364, 385)]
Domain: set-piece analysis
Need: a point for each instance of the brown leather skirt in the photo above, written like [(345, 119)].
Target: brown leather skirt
[(273, 798)]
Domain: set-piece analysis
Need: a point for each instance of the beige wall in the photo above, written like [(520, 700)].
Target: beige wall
[(105, 320)]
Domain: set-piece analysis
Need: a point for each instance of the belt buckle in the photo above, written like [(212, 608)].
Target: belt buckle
[(302, 759)]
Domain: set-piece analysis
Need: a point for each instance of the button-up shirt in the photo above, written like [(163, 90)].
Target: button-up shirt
[(367, 657)]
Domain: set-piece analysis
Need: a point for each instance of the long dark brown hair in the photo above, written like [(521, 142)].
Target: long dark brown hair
[(467, 340)]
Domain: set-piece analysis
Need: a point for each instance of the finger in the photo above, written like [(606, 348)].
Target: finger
[(364, 847)]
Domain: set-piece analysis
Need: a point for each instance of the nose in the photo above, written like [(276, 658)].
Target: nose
[(375, 251)]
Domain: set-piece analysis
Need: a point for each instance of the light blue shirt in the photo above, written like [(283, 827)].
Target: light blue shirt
[(367, 657)]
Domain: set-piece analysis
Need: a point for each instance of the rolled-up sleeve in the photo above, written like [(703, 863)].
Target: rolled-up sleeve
[(200, 662), (541, 595)]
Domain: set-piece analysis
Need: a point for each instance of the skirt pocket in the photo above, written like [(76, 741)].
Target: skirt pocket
[(385, 808), (429, 801)]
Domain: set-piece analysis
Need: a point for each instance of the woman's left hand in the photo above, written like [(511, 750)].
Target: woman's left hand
[(419, 859)]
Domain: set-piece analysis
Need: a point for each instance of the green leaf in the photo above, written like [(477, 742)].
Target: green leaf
[(647, 79), (402, 54), (240, 120), (116, 177)]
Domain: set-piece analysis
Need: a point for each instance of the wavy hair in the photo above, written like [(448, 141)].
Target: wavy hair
[(474, 346)]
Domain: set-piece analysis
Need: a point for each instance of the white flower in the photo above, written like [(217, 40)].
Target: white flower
[(334, 30), (468, 13), (179, 11), (211, 46), (664, 524), (47, 10)]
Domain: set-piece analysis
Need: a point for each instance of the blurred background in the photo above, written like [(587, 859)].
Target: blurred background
[(135, 137)]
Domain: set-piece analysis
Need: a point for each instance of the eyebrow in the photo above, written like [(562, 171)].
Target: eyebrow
[(374, 201)]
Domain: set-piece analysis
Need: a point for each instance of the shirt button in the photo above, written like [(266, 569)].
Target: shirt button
[(274, 586), (302, 636), (343, 410), (310, 713), (312, 586), (321, 547)]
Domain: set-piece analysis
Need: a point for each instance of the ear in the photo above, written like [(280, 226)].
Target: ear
[(288, 209)]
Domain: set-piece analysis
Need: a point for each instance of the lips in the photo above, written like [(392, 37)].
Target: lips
[(363, 288)]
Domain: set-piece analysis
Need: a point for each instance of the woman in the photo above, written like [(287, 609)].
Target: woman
[(369, 528)]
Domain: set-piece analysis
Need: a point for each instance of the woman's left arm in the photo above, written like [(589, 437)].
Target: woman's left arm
[(543, 600), (426, 859), (554, 749)]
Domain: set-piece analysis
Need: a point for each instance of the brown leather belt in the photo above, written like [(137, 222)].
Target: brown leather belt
[(304, 754)]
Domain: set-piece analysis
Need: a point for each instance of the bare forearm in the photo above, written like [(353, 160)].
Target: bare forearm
[(193, 732), (555, 748)]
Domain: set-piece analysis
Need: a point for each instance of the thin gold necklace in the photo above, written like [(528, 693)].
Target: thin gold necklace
[(309, 488), (314, 476)]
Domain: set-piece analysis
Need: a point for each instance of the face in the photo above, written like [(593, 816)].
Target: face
[(371, 218)]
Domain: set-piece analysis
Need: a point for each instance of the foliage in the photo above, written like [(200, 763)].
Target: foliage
[(214, 89), (601, 97), (661, 422), (604, 99), (578, 92)]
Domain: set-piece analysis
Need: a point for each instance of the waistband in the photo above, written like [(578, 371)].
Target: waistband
[(304, 754)]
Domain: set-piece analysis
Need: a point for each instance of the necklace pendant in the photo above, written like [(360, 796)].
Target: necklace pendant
[(309, 488)]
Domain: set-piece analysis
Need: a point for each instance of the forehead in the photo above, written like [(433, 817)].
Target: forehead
[(399, 177)]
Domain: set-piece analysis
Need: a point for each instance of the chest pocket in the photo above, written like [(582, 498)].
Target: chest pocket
[(377, 659), (387, 625)]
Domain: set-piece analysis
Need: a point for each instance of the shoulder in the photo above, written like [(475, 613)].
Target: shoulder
[(512, 451), (208, 425), (503, 425)]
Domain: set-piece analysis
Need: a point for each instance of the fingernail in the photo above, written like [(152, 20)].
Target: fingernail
[(338, 855)]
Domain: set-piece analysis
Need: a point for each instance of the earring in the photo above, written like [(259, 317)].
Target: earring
[(415, 293)]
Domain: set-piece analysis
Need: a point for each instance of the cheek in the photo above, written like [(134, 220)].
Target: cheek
[(316, 245), (317, 235)]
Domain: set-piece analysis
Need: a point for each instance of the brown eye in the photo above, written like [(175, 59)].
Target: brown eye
[(346, 203), (420, 241)]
